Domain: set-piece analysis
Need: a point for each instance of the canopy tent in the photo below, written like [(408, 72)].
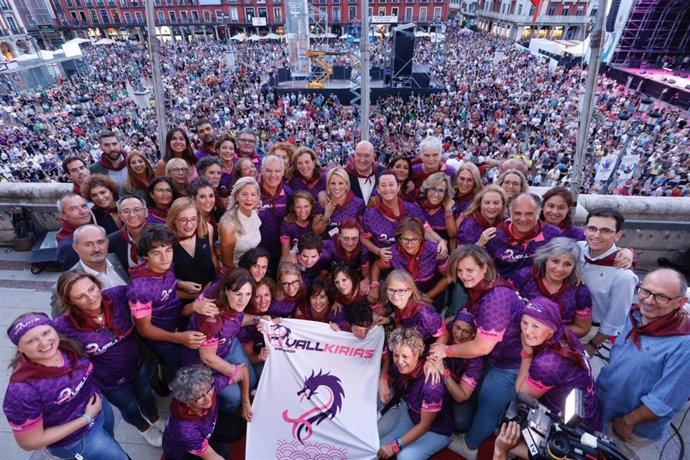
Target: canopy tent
[(254, 38), (78, 41), (271, 36), (104, 41), (421, 33), (238, 37)]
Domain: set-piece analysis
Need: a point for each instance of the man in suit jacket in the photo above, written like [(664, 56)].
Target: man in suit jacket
[(133, 213), (363, 170)]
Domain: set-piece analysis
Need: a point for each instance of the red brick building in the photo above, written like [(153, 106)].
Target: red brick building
[(184, 19)]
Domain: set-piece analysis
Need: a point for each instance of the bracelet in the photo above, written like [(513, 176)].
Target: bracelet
[(399, 442), (449, 351), (88, 418), (374, 284), (448, 215), (446, 373), (525, 355), (445, 380), (395, 447)]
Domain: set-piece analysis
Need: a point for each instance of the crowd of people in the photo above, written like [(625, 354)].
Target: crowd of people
[(173, 266), (490, 109)]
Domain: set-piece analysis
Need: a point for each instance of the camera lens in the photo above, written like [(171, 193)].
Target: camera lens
[(558, 446)]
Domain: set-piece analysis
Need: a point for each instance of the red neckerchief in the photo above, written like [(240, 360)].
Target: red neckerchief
[(207, 150), (183, 412), (388, 212), (66, 231), (513, 239), (88, 324), (27, 371), (266, 195), (131, 244), (414, 375), (479, 218), (108, 164), (141, 184), (467, 197), (158, 212), (483, 288), (352, 169), (211, 326), (675, 323), (310, 183), (343, 254), (608, 261), (311, 315), (408, 312), (412, 261), (563, 343), (426, 206), (348, 199), (142, 270), (545, 291), (354, 297)]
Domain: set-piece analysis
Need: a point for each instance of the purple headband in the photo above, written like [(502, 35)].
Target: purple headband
[(465, 316), (27, 323), (545, 311)]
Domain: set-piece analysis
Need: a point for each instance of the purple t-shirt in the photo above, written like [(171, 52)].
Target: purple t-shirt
[(427, 322), (329, 252), (574, 232), (283, 308), (153, 219), (469, 232), (510, 258), (184, 437), (419, 175), (381, 231), (250, 336), (437, 220), (353, 210), (497, 318), (298, 183), (222, 340), (291, 231), (116, 357), (557, 376), (155, 296), (428, 267), (461, 206), (421, 395), (272, 211), (309, 274), (333, 316), (573, 300), (225, 185), (51, 402)]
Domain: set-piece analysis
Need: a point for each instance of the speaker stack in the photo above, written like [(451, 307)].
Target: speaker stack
[(403, 52)]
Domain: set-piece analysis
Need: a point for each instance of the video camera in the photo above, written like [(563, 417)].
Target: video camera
[(550, 436)]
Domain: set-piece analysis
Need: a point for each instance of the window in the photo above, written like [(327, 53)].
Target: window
[(503, 8), (437, 13), (277, 15), (249, 14), (566, 10), (128, 17), (371, 11), (169, 2), (394, 11), (531, 11), (180, 2), (184, 17), (580, 11), (220, 16), (207, 16), (353, 13), (594, 12), (382, 10), (12, 24), (195, 16), (519, 9), (73, 16), (336, 14), (161, 17), (115, 15), (263, 13), (82, 15), (552, 10), (94, 16), (140, 19), (69, 4), (422, 14), (408, 14), (233, 14), (173, 18), (123, 3)]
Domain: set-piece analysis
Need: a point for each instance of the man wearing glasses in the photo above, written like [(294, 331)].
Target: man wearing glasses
[(646, 381), (132, 211), (246, 147), (612, 288)]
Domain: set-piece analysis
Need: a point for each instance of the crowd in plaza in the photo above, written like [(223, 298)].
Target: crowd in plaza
[(263, 207)]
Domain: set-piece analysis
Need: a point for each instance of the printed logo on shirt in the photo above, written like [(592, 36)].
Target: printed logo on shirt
[(67, 394), (383, 238), (509, 256), (165, 295)]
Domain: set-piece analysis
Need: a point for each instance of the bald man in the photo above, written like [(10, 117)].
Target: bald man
[(363, 170)]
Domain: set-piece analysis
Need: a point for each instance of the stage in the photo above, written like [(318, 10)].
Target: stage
[(660, 84)]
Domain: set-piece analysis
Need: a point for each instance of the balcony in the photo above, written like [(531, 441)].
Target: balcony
[(526, 19)]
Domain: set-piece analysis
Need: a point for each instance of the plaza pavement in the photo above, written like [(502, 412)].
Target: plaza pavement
[(21, 292)]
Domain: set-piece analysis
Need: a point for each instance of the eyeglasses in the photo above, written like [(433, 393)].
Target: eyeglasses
[(288, 284), (183, 221), (248, 141), (436, 191), (162, 190), (128, 212), (409, 240), (206, 393), (396, 292), (604, 231), (179, 170), (660, 299)]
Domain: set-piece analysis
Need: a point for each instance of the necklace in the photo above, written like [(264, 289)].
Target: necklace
[(99, 318)]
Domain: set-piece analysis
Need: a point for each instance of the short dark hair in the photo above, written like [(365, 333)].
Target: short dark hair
[(613, 213), (206, 162), (199, 183), (155, 236), (233, 280), (203, 121), (250, 257), (106, 133), (309, 241), (68, 160), (318, 286), (156, 181)]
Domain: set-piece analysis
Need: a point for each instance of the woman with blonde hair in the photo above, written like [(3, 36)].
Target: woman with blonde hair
[(513, 182), (178, 170), (239, 227), (139, 174), (338, 201), (437, 204), (468, 182), (477, 225), (194, 260)]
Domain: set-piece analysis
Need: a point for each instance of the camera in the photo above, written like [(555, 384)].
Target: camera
[(558, 436)]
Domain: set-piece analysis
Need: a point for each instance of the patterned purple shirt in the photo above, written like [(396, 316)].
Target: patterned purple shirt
[(272, 212), (427, 322), (184, 437), (437, 220), (353, 210), (381, 231), (469, 232), (116, 357), (51, 402), (330, 253), (461, 206), (419, 175), (283, 308), (298, 183), (222, 340), (574, 233), (497, 319), (573, 300), (428, 267), (425, 396), (510, 258), (291, 231)]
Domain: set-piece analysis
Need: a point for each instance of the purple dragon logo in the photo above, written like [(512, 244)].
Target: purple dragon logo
[(302, 426), (278, 333)]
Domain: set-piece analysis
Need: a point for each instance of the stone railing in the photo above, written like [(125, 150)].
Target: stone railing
[(655, 227)]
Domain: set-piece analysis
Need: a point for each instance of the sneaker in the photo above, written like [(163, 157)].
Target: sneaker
[(459, 446), (153, 436), (160, 423)]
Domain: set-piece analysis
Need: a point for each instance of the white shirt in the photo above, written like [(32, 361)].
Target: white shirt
[(109, 278)]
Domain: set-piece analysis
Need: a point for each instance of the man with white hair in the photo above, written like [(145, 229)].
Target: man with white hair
[(431, 161)]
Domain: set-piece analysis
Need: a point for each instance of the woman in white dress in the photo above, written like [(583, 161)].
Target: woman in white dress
[(239, 227)]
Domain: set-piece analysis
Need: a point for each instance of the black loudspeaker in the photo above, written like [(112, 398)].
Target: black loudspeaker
[(338, 72), (376, 73), (420, 76), (284, 75), (403, 50), (613, 14)]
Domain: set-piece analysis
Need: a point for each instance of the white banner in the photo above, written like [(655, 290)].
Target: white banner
[(628, 166), (317, 394), (605, 167)]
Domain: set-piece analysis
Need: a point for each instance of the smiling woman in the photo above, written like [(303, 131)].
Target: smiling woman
[(103, 192)]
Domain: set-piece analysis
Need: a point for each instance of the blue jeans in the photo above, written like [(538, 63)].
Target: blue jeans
[(496, 391), (464, 412), (230, 397), (133, 397), (458, 299), (421, 448), (98, 443)]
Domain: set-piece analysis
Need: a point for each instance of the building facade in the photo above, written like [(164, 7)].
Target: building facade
[(556, 19), (14, 39)]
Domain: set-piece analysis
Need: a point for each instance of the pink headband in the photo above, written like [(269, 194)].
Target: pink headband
[(27, 323)]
